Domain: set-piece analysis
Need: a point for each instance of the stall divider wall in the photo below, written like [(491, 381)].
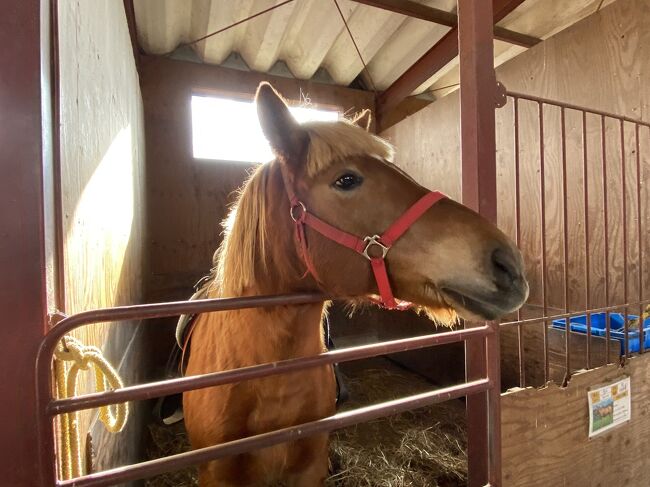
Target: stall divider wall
[(600, 63)]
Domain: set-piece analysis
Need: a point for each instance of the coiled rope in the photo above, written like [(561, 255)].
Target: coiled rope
[(71, 357)]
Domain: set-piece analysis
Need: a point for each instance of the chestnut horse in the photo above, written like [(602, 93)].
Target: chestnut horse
[(449, 262)]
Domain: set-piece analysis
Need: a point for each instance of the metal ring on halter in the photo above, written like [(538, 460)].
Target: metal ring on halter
[(374, 240), (298, 205)]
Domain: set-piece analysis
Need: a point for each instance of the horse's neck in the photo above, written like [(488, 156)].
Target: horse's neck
[(258, 335), (265, 334), (285, 270), (291, 331)]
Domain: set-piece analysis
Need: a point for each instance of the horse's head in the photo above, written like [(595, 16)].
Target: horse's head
[(450, 260)]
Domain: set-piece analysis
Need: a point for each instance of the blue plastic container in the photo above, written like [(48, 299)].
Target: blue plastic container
[(616, 329)]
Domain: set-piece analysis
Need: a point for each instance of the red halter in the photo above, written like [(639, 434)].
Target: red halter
[(383, 242)]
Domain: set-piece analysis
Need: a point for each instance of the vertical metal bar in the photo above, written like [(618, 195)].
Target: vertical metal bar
[(606, 232), (45, 429), (25, 189), (639, 236), (565, 230), (624, 208), (520, 334), (478, 150), (493, 365), (59, 257), (542, 181), (585, 177)]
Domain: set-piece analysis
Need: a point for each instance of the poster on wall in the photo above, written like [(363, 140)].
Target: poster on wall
[(609, 406)]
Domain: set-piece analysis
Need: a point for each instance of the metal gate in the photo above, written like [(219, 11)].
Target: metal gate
[(49, 407)]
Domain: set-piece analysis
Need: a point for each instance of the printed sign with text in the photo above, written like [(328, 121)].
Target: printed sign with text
[(609, 406)]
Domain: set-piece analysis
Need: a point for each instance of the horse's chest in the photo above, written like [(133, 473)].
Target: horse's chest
[(301, 397)]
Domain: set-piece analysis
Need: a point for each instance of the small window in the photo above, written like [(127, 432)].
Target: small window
[(228, 130)]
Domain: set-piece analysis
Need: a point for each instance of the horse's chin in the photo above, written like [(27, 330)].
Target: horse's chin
[(470, 308), (432, 303), (447, 308)]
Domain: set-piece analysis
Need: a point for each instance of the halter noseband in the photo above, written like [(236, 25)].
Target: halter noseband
[(374, 248)]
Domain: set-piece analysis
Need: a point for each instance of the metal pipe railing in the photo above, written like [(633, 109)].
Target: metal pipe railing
[(603, 176), (175, 386), (49, 407), (337, 421), (571, 106), (560, 316)]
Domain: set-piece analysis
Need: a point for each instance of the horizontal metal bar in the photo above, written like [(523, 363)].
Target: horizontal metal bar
[(415, 10), (160, 310), (175, 308), (571, 106), (573, 313), (337, 421), (516, 38), (432, 61), (421, 70), (449, 19), (174, 386)]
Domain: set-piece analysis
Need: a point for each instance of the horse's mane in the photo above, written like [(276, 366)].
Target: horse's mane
[(245, 230), (331, 141)]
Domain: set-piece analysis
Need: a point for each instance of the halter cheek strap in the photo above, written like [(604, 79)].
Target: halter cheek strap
[(374, 248)]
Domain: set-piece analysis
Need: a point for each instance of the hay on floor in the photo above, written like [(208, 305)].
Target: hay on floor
[(169, 440), (426, 447)]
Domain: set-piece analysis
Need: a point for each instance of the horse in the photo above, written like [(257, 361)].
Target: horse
[(293, 229)]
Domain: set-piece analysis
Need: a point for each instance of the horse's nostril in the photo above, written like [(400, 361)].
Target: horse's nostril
[(505, 268)]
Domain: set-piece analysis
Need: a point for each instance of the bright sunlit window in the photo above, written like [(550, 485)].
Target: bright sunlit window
[(228, 130)]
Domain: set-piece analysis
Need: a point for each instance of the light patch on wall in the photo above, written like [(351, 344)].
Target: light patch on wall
[(101, 225), (229, 130)]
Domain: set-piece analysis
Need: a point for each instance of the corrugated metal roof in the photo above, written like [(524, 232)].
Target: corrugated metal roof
[(309, 34)]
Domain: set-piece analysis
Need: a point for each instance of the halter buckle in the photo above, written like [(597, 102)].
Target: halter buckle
[(374, 240), (298, 218)]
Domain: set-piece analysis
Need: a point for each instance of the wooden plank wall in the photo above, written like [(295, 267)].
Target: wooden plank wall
[(602, 63), (102, 182), (545, 434)]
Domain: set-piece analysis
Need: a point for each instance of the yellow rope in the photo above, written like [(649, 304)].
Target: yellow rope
[(71, 358)]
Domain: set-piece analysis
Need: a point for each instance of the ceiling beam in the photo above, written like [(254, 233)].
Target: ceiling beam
[(416, 10), (442, 17), (443, 52)]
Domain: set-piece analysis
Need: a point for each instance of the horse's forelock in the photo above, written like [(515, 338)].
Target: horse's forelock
[(329, 142)]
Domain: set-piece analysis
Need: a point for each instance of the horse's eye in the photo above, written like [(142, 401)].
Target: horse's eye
[(348, 181)]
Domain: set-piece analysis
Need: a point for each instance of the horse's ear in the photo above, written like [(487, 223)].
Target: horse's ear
[(285, 135), (363, 119)]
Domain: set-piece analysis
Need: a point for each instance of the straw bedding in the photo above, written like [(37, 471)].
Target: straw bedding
[(426, 447)]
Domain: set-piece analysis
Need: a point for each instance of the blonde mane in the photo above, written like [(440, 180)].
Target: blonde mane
[(243, 251), (331, 141)]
